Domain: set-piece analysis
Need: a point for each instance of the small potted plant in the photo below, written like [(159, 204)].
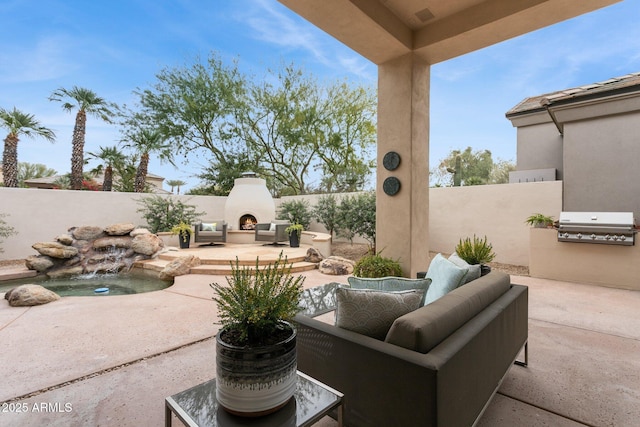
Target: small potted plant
[(294, 231), (476, 251), (256, 347), (183, 230), (539, 220)]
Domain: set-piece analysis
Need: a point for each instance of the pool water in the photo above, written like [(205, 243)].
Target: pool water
[(86, 285)]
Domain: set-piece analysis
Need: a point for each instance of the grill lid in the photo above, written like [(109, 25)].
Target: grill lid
[(597, 219), (612, 228)]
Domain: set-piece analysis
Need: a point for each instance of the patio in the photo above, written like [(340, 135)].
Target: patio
[(114, 359)]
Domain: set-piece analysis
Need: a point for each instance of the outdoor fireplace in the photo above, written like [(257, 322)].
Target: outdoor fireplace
[(249, 203)]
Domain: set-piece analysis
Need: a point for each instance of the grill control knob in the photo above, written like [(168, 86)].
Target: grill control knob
[(607, 237), (623, 238), (579, 235), (615, 237), (593, 237)]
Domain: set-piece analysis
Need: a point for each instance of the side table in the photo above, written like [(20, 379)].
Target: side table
[(198, 407)]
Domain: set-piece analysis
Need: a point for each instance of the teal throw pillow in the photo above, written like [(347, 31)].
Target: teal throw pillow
[(474, 269), (445, 276)]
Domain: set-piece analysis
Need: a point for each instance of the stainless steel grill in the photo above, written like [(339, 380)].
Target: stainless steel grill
[(609, 228)]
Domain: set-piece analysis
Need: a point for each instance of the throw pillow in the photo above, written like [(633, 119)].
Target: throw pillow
[(389, 284), (474, 269), (208, 226), (371, 312), (272, 227), (445, 276)]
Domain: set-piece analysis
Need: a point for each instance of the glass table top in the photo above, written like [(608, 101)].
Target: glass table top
[(312, 400)]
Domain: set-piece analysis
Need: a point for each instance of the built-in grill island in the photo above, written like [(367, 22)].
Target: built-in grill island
[(609, 228)]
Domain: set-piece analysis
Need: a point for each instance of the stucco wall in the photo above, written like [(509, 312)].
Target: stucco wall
[(540, 147), (601, 160), (497, 211)]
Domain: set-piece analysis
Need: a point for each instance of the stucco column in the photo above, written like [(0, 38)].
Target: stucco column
[(402, 220)]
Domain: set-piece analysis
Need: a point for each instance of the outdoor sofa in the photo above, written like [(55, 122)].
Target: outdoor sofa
[(210, 231), (439, 365)]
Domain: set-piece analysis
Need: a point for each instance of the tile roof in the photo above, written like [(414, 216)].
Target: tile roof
[(534, 103)]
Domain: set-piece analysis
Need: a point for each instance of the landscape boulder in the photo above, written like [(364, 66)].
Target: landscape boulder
[(313, 255), (39, 263), (147, 244), (30, 295), (87, 232), (65, 239), (55, 250), (336, 266), (119, 229), (179, 267)]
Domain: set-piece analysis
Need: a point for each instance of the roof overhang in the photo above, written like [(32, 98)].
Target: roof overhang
[(436, 30)]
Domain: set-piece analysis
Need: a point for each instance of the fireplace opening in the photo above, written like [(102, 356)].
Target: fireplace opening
[(248, 222)]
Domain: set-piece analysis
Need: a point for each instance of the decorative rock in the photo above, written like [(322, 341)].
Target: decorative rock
[(86, 232), (147, 244), (55, 250), (65, 239), (106, 267), (29, 295), (313, 255), (112, 242), (119, 229), (179, 267), (336, 266), (65, 272), (39, 263), (139, 231)]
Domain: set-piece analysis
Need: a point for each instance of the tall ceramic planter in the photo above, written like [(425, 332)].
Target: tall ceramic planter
[(294, 240), (255, 381)]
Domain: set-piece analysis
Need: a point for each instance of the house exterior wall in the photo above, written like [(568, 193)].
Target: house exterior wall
[(540, 147), (602, 164)]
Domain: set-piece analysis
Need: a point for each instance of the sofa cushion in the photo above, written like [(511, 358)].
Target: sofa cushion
[(390, 284), (473, 269), (445, 276), (425, 328), (370, 312)]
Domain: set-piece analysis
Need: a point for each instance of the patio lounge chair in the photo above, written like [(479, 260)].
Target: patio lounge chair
[(272, 232), (210, 231)]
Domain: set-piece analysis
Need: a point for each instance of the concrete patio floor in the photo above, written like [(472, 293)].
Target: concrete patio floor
[(111, 360)]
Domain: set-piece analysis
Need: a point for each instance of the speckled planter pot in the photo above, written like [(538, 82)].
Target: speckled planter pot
[(255, 381)]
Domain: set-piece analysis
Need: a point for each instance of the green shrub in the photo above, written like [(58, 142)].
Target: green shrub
[(164, 213), (296, 211), (326, 212), (357, 217), (478, 251), (254, 301), (5, 229), (377, 266)]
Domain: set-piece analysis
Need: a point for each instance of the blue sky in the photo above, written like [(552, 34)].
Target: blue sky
[(113, 47)]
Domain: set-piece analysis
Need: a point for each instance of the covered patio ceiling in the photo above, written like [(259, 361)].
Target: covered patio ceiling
[(435, 30)]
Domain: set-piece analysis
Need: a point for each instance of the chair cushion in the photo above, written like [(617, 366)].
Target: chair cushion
[(370, 312), (445, 276), (390, 284), (425, 328)]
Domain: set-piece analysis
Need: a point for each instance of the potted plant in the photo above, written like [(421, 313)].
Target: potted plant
[(476, 251), (183, 230), (256, 346), (539, 220), (294, 231)]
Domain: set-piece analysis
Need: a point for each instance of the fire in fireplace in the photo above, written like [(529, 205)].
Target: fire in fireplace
[(248, 222)]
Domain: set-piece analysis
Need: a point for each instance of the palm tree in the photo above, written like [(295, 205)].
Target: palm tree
[(175, 183), (87, 102), (18, 124), (146, 141), (110, 156)]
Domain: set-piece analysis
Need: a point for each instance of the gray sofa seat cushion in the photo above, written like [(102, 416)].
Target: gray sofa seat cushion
[(210, 233), (425, 328), (266, 233)]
